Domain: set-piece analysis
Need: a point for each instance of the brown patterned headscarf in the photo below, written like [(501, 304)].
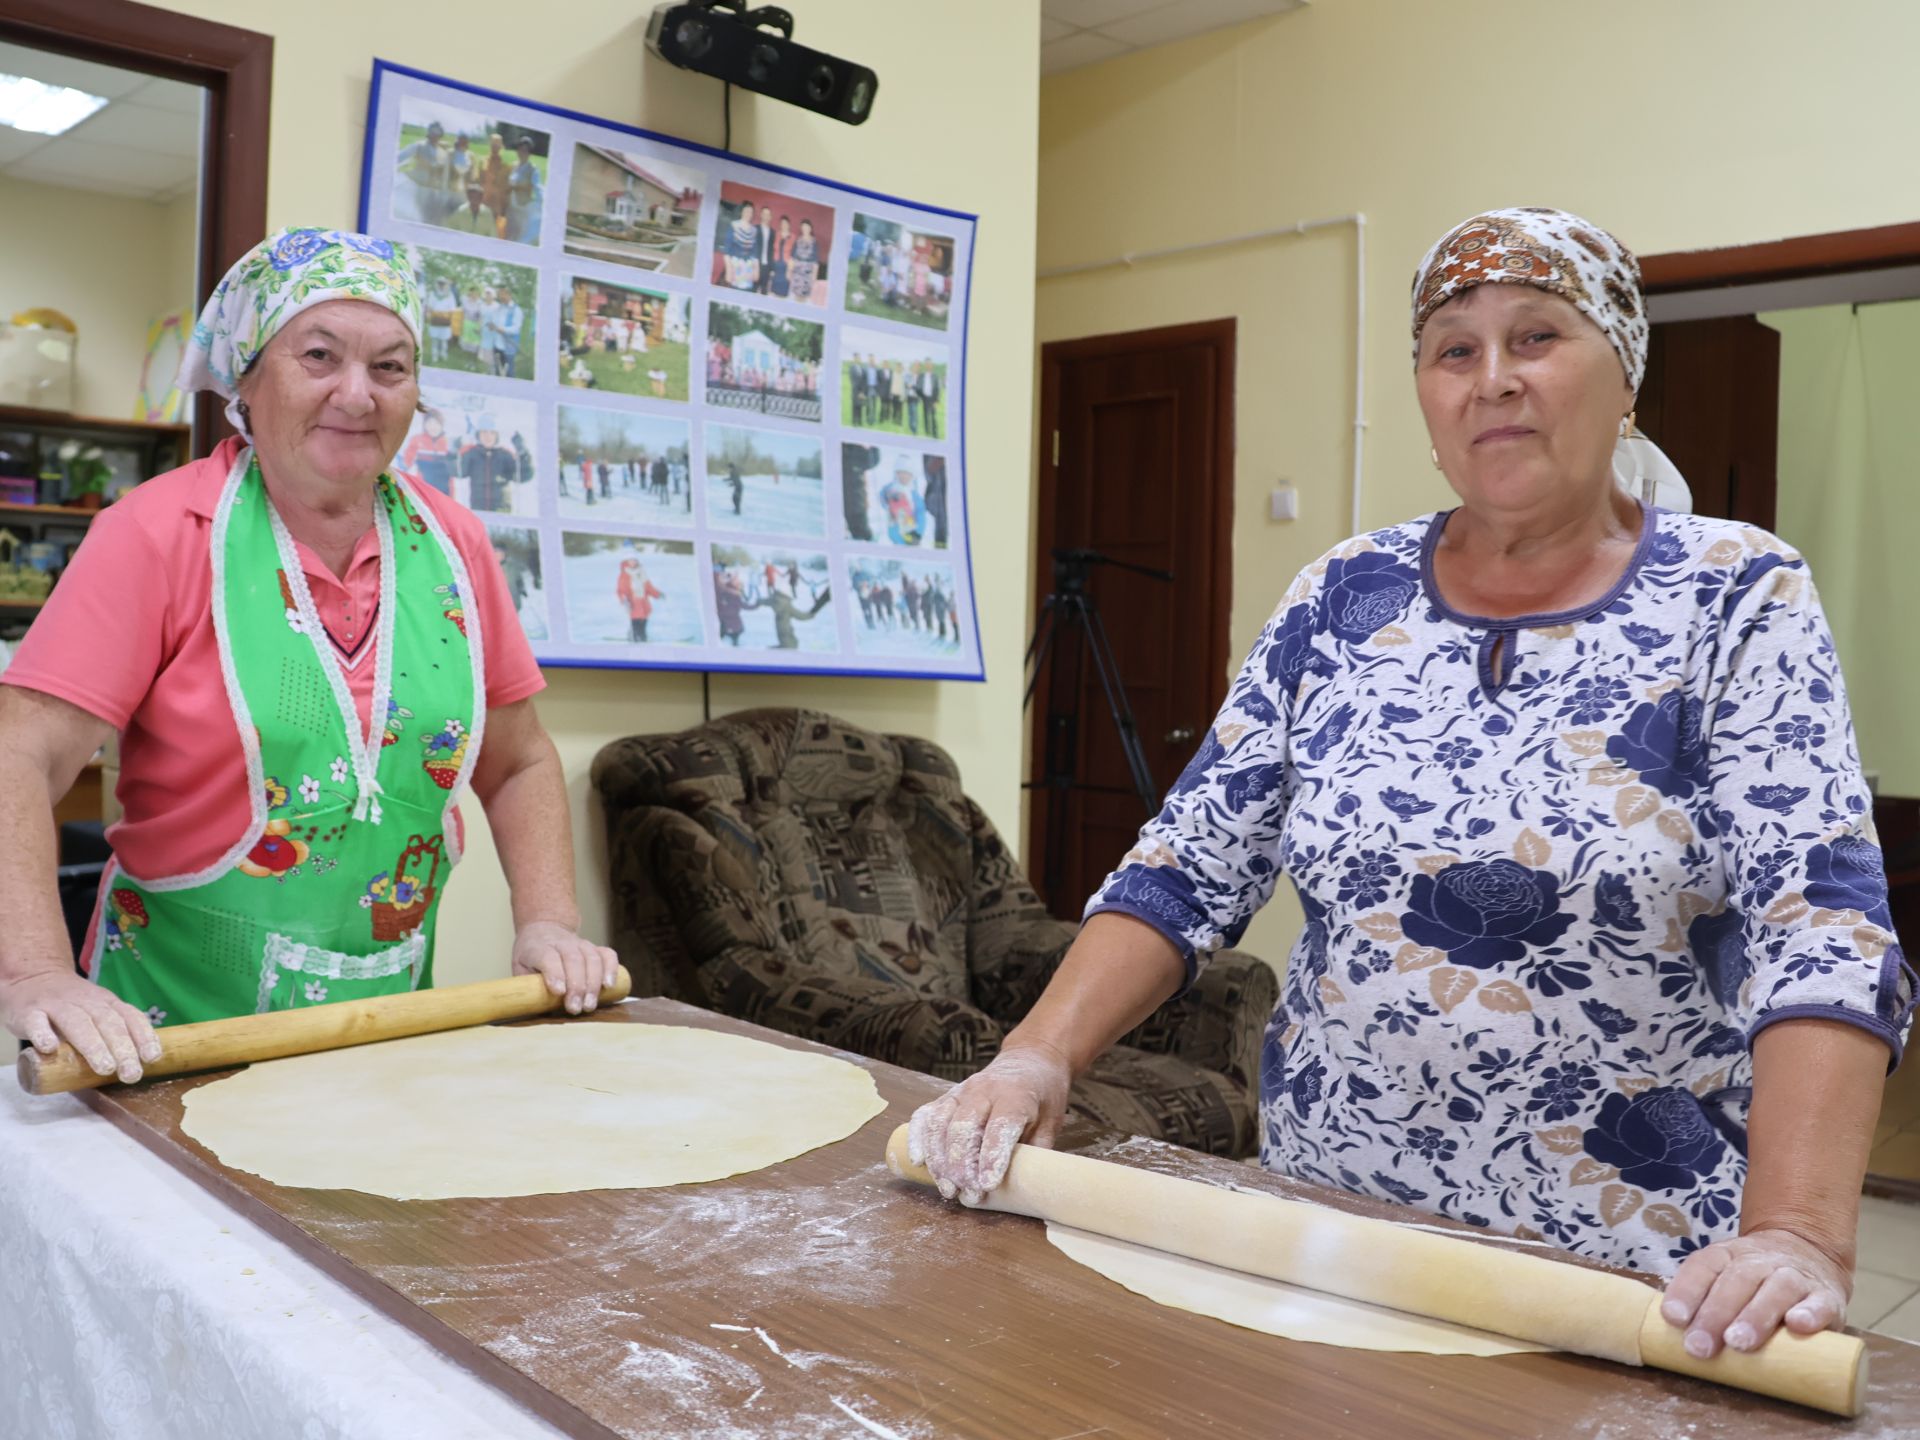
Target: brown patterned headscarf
[(1550, 250)]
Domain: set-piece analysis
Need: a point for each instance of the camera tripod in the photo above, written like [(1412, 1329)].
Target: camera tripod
[(1069, 616)]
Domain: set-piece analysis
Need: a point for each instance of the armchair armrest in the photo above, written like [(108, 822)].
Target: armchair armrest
[(1219, 1021), (1013, 944)]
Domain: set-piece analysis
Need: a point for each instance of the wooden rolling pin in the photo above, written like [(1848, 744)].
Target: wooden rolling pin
[(216, 1044), (1565, 1307)]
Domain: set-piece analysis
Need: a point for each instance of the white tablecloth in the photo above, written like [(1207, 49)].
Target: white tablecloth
[(133, 1304)]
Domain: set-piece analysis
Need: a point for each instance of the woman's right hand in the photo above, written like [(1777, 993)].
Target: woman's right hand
[(52, 1005), (966, 1137)]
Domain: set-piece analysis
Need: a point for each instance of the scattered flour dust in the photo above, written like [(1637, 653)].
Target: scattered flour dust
[(1695, 1416), (805, 1248), (872, 1427)]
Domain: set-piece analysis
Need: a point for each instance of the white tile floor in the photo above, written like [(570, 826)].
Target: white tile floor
[(1886, 1282)]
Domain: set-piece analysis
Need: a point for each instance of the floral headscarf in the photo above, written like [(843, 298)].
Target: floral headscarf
[(1552, 251), (276, 280)]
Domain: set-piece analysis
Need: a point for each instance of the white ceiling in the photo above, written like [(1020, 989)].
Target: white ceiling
[(1081, 32), (145, 142)]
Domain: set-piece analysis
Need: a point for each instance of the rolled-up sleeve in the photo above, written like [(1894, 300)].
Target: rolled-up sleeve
[(1807, 886), (1209, 860)]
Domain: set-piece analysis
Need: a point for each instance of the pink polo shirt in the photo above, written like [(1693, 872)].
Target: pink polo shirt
[(128, 637)]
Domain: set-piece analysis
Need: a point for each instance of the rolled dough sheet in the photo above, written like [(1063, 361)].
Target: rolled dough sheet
[(530, 1110), (1256, 1303)]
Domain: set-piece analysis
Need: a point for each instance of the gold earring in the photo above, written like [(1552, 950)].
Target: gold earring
[(1435, 454), (1626, 424)]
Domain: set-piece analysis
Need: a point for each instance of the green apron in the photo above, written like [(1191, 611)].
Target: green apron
[(332, 892)]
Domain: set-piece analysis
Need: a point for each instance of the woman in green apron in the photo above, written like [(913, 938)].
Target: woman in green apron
[(309, 660)]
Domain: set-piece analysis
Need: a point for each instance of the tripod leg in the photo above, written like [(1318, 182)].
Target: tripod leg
[(1038, 647), (1062, 760), (1121, 709)]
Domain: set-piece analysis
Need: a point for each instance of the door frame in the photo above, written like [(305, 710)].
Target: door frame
[(1222, 335), (1834, 252), (233, 65)]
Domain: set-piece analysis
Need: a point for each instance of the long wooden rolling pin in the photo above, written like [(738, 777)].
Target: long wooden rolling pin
[(1565, 1307), (215, 1044)]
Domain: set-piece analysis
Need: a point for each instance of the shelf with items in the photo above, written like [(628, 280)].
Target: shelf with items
[(30, 512), (58, 471), (51, 458), (30, 416)]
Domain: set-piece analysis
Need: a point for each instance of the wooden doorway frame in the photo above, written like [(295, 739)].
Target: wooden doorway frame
[(234, 66), (1055, 355), (1837, 252)]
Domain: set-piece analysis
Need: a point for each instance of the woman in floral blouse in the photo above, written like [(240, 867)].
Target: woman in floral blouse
[(1597, 946)]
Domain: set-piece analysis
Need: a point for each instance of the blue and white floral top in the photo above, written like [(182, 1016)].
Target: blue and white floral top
[(1547, 911)]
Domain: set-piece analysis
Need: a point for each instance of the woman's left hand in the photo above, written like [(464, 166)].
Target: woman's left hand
[(1739, 1291), (573, 967)]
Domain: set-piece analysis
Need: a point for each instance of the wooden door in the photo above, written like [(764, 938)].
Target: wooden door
[(1711, 400), (1136, 465)]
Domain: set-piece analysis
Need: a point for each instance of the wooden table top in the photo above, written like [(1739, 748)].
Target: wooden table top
[(822, 1297)]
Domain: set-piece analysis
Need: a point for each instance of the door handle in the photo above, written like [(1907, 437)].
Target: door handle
[(1180, 735)]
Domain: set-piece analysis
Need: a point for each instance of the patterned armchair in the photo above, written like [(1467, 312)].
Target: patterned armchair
[(787, 868)]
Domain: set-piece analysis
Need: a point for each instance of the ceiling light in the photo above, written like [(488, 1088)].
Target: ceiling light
[(44, 109)]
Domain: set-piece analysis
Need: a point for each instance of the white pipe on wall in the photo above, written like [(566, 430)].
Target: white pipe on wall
[(1359, 358), (1300, 227)]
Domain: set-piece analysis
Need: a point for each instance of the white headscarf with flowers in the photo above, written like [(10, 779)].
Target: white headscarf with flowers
[(283, 275)]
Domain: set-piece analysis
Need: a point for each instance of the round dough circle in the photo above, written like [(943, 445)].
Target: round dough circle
[(530, 1110), (1254, 1302)]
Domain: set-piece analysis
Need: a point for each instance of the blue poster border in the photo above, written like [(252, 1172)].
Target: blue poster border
[(383, 68)]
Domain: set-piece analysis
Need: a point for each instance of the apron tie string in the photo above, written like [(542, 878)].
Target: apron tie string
[(367, 806)]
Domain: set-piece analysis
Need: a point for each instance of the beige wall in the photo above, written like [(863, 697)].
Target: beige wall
[(937, 135), (1850, 500), (112, 264), (1676, 126)]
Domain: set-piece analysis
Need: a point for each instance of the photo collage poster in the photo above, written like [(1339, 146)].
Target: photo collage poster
[(711, 411)]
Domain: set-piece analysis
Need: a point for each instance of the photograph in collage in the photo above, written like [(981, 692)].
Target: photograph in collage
[(896, 383), (517, 548), (476, 448), (629, 209), (631, 590), (764, 363), (898, 272), (479, 313), (469, 172), (894, 497), (628, 341), (773, 598), (767, 481), (904, 608), (623, 468), (766, 243)]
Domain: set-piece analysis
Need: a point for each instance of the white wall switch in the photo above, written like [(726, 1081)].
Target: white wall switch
[(1283, 503)]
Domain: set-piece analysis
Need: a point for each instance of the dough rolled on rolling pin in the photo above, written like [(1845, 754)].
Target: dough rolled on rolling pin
[(1532, 1298)]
